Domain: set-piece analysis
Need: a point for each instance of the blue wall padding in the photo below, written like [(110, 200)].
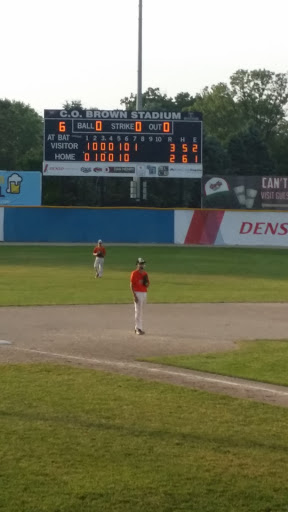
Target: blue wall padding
[(115, 225)]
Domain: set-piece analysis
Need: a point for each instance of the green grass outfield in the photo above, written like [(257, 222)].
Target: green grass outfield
[(75, 440), (78, 440), (35, 275), (261, 360)]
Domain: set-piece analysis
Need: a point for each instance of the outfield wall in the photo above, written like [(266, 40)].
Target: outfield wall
[(80, 225), (141, 225)]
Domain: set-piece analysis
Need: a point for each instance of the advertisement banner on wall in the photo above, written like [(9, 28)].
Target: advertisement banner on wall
[(20, 188), (253, 229), (219, 227), (245, 192), (141, 170)]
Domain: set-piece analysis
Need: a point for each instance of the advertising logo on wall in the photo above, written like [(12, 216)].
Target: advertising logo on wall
[(245, 192), (20, 188)]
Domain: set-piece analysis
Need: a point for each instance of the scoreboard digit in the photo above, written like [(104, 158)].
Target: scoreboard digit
[(122, 143)]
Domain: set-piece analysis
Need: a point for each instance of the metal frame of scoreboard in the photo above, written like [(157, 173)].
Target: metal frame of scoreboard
[(118, 143)]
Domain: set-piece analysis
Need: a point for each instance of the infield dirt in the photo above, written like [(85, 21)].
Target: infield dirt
[(102, 337)]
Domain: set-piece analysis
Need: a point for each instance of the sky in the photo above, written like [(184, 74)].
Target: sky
[(64, 50)]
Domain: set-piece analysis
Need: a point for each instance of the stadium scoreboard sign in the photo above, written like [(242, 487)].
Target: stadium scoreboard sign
[(122, 143)]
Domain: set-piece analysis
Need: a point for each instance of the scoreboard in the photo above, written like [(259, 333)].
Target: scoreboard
[(122, 143)]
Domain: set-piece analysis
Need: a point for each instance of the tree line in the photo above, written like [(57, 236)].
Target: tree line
[(245, 123), (245, 132)]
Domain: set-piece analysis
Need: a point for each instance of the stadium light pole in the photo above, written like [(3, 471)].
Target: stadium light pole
[(139, 81), (136, 190)]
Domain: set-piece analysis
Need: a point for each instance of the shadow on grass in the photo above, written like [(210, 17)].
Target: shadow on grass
[(163, 434)]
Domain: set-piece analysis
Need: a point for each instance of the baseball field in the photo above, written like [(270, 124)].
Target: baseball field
[(83, 427)]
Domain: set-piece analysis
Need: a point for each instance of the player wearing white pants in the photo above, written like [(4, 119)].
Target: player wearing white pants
[(99, 252), (139, 283), (139, 306), (99, 266)]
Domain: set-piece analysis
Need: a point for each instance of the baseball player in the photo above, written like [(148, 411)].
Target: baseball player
[(139, 282), (100, 252)]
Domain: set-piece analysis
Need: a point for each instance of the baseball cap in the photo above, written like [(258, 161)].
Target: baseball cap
[(99, 241), (140, 260), (215, 185)]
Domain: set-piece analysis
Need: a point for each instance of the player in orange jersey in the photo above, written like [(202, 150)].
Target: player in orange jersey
[(139, 282), (100, 252)]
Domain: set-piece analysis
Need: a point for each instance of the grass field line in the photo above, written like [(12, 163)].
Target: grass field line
[(187, 374)]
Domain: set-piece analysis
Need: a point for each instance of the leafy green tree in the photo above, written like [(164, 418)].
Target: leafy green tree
[(221, 115), (216, 159), (262, 96), (248, 118), (183, 101), (153, 99), (75, 104), (70, 105), (249, 154), (21, 136), (279, 148), (32, 160)]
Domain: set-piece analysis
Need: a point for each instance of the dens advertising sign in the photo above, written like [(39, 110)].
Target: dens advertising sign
[(219, 227)]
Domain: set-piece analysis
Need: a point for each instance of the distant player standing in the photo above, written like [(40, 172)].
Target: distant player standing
[(100, 252), (139, 283)]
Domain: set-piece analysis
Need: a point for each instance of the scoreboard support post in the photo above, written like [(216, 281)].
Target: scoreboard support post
[(135, 189)]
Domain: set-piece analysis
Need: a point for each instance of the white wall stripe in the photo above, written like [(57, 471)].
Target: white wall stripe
[(182, 221)]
